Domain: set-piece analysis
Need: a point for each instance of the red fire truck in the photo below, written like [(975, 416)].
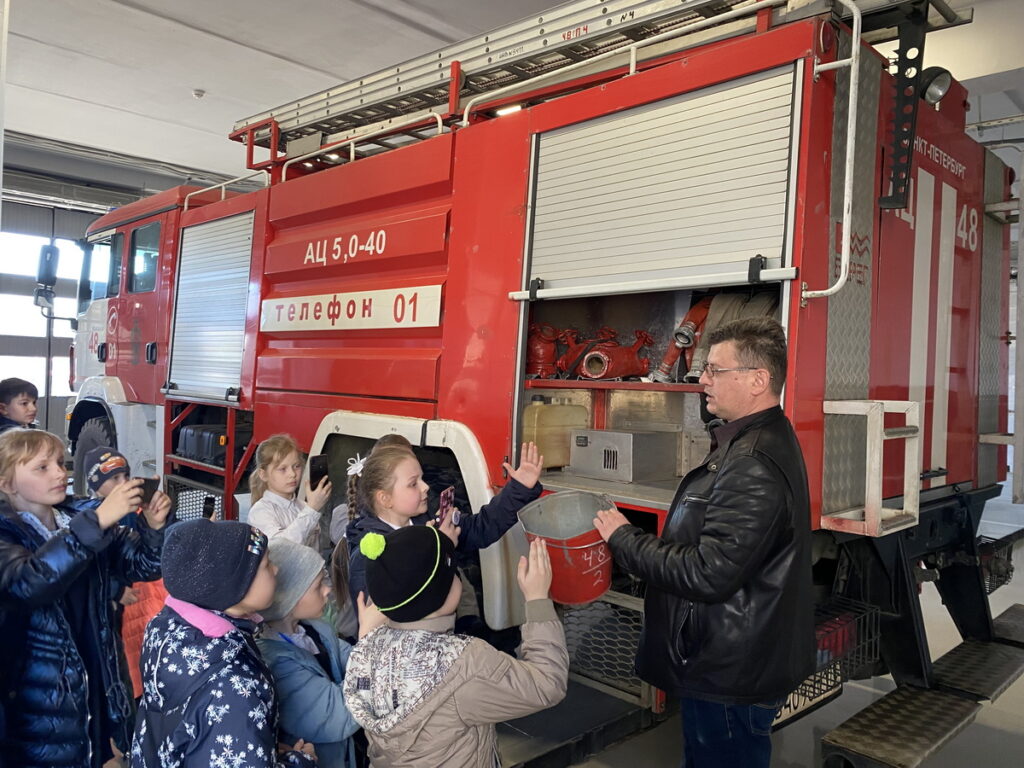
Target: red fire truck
[(446, 247)]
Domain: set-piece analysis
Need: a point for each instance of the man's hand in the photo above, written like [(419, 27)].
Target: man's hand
[(531, 464), (369, 616), (535, 573), (608, 521), (122, 500), (317, 497), (157, 510)]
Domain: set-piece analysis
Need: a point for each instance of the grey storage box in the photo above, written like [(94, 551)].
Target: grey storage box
[(628, 457)]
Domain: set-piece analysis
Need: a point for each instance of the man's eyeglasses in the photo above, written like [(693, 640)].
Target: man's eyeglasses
[(711, 371)]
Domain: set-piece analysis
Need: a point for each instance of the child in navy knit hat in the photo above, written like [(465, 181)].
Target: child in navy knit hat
[(207, 695)]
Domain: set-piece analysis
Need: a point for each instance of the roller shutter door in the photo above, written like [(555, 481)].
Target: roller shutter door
[(690, 186), (209, 311)]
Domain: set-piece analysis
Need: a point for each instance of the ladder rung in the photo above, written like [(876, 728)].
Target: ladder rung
[(996, 438), (898, 433)]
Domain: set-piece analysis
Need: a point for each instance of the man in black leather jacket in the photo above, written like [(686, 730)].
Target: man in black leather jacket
[(728, 623)]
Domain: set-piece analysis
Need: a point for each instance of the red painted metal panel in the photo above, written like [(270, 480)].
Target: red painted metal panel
[(386, 220), (807, 326), (478, 375), (352, 371), (956, 164), (300, 414), (368, 185), (360, 239)]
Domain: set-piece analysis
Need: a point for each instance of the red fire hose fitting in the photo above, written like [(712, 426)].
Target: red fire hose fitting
[(542, 350), (613, 361), (685, 336)]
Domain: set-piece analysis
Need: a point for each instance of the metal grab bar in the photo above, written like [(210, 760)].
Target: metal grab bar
[(851, 136), (631, 49), (223, 186), (418, 118)]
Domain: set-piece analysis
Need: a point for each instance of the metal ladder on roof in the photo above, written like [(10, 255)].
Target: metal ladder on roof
[(510, 58), (569, 33)]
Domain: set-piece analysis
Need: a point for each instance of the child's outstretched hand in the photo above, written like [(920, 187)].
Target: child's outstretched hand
[(369, 616), (122, 500), (531, 463), (317, 497), (157, 510), (535, 572)]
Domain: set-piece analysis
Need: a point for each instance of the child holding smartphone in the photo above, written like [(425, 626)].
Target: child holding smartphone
[(139, 602), (276, 507), (65, 699)]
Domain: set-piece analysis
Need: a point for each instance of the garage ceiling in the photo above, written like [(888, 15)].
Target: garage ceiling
[(120, 75)]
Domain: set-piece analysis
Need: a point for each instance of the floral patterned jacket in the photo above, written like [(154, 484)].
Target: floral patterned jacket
[(207, 699)]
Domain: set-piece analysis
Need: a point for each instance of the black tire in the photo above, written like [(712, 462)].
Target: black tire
[(95, 433)]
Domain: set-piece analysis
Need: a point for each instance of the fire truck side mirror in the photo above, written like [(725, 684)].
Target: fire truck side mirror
[(49, 256)]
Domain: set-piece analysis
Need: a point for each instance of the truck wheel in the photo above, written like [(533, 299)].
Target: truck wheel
[(95, 433)]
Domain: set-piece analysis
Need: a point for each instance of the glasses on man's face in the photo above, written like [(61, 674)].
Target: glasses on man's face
[(712, 371)]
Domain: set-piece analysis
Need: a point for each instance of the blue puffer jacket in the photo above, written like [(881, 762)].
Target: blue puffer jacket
[(45, 683), (207, 699), (477, 531), (313, 702)]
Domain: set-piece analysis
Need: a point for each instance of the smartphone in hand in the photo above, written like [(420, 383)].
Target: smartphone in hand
[(317, 470), (446, 506), (150, 485)]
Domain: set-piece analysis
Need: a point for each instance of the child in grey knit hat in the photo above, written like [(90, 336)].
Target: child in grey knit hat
[(306, 657)]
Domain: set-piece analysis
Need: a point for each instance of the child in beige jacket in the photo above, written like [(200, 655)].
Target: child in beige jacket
[(427, 697)]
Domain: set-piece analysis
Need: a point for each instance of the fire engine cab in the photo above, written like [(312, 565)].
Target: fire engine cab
[(524, 237)]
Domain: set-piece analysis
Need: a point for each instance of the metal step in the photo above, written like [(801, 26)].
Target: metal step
[(979, 669), (1008, 627), (901, 729), (584, 722)]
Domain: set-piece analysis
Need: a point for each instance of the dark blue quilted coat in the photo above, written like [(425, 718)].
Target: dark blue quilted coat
[(44, 682)]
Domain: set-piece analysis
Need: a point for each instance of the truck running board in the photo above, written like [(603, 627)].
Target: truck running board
[(901, 730), (1008, 627), (978, 669), (906, 726)]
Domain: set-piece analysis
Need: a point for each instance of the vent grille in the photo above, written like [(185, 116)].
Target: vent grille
[(611, 458)]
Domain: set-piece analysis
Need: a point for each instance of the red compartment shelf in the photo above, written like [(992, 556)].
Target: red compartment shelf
[(587, 384)]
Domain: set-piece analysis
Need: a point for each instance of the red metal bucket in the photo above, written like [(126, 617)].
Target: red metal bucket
[(581, 563)]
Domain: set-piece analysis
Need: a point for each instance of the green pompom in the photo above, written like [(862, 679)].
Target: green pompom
[(372, 545)]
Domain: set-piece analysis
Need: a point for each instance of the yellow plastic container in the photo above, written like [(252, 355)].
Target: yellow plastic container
[(549, 426)]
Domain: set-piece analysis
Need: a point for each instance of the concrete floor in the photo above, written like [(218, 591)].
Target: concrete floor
[(994, 740)]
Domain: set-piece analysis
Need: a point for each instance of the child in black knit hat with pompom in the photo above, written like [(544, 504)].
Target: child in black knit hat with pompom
[(208, 699), (428, 697)]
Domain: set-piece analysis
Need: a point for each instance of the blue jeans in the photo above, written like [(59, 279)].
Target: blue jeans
[(727, 736)]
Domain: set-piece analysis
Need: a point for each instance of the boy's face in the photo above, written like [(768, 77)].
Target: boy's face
[(261, 591), (311, 604), (110, 484), (21, 409)]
